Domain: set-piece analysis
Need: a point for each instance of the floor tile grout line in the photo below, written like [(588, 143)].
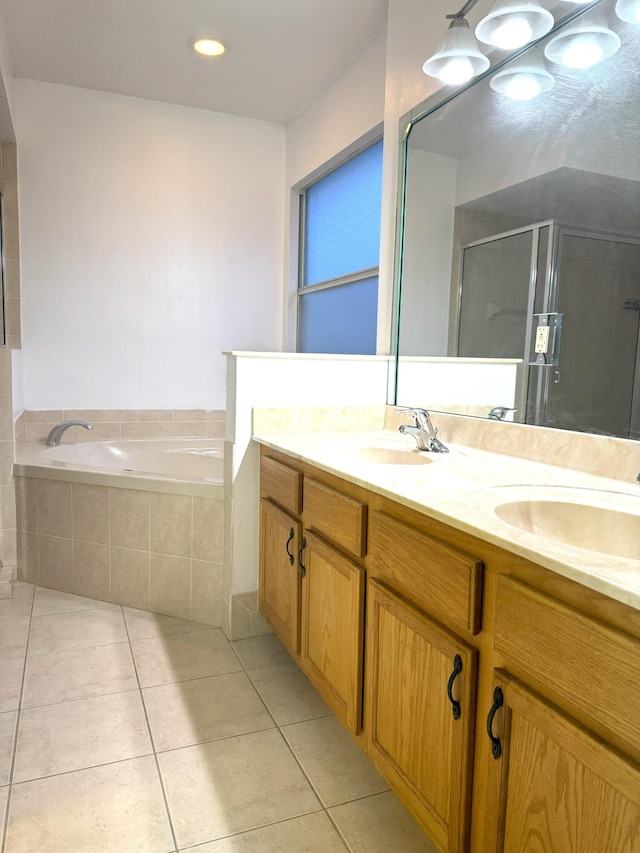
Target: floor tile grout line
[(16, 731), (78, 698), (153, 745)]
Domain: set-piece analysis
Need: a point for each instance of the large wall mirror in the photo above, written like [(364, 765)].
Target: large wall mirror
[(519, 242)]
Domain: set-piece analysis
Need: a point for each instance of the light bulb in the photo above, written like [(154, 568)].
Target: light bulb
[(523, 87), (582, 52), (206, 45), (513, 32), (456, 71)]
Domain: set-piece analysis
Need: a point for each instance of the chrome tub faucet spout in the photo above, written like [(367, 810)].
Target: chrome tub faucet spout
[(53, 439), (423, 431)]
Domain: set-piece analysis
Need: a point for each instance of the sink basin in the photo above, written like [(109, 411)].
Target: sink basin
[(382, 455), (608, 525)]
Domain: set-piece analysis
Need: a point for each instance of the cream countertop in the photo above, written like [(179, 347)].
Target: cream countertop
[(461, 488)]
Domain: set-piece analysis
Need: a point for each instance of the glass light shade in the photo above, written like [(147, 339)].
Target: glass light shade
[(583, 43), (629, 11), (458, 59), (524, 78), (513, 23)]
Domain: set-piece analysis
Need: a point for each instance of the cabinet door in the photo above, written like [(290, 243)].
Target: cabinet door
[(280, 573), (333, 628), (561, 789), (420, 709)]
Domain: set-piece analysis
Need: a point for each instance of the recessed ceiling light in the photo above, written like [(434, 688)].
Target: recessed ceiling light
[(206, 45)]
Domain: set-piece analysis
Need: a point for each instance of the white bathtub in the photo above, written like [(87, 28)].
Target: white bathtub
[(180, 465)]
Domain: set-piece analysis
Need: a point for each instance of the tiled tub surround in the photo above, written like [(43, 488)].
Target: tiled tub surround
[(156, 545), (112, 424)]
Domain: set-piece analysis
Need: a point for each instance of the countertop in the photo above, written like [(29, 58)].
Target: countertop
[(462, 487)]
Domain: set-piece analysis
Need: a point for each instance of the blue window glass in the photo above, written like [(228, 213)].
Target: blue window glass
[(339, 319), (342, 219)]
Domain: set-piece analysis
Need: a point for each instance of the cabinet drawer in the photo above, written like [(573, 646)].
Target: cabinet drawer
[(338, 517), (444, 581), (578, 663), (282, 484)]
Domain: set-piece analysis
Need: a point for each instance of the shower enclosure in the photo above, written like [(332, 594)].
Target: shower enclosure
[(588, 283)]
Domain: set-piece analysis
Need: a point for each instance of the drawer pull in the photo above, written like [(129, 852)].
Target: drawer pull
[(289, 554), (303, 568), (498, 702), (457, 669)]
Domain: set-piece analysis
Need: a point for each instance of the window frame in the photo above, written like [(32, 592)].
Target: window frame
[(339, 281)]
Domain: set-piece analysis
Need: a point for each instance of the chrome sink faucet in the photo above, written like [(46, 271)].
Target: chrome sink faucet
[(53, 439), (423, 431)]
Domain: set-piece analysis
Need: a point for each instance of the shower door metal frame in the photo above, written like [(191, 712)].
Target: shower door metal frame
[(522, 387), (611, 237)]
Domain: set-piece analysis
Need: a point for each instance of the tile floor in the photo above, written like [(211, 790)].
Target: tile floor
[(126, 731)]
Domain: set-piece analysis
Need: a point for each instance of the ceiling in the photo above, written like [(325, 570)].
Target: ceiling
[(281, 54)]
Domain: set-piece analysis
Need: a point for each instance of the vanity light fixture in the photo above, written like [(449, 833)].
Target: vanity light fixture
[(628, 11), (458, 58), (524, 78), (513, 23), (206, 45), (583, 43)]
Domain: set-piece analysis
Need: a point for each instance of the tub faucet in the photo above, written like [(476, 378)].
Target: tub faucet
[(53, 439), (423, 431), (499, 413)]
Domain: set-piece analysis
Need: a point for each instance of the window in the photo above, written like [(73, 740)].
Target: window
[(340, 247)]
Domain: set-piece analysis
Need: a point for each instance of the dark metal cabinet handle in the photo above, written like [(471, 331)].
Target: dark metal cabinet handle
[(498, 702), (303, 568), (457, 669), (289, 554)]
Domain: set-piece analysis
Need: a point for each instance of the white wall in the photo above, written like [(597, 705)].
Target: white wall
[(151, 240), (6, 84), (348, 113)]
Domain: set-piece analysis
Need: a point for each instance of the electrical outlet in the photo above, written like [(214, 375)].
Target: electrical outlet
[(542, 339)]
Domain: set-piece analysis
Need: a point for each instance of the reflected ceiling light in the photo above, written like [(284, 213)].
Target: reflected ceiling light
[(513, 23), (583, 43), (458, 58), (524, 78), (206, 45), (629, 11)]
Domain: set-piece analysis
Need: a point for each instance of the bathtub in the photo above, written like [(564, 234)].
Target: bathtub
[(133, 522), (185, 465)]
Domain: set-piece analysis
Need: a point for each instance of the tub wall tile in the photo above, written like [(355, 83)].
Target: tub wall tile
[(8, 507), (170, 585), (146, 429), (6, 463), (54, 508), (185, 429), (130, 578), (91, 570), (48, 416), (154, 415), (55, 558), (206, 598), (171, 523), (100, 432), (27, 546), (129, 519), (208, 530), (119, 415), (90, 513), (216, 429), (188, 415)]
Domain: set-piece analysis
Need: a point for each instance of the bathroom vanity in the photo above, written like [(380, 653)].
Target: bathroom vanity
[(496, 687)]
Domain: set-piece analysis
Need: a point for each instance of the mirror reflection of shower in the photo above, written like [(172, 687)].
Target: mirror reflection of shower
[(593, 280)]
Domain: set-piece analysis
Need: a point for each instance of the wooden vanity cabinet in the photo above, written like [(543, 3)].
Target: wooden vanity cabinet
[(498, 699), (312, 581), (420, 675), (420, 701), (560, 787)]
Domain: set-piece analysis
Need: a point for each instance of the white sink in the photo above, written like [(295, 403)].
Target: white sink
[(380, 454), (601, 521)]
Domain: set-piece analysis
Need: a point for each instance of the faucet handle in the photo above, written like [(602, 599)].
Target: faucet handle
[(420, 416)]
